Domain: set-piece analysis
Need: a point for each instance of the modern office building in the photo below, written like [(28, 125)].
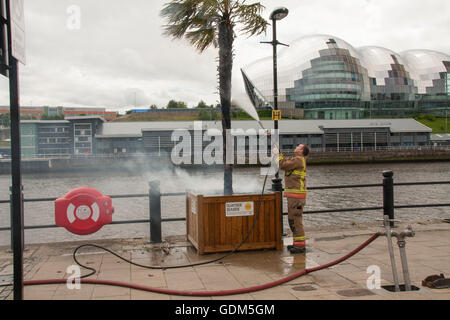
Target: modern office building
[(327, 78), (74, 136), (92, 136)]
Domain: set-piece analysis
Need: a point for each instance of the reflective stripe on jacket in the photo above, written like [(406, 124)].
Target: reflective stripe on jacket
[(295, 176)]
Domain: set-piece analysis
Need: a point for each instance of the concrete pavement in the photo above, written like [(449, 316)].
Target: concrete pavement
[(428, 253)]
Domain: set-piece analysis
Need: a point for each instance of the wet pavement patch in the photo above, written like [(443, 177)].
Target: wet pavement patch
[(355, 293), (304, 288)]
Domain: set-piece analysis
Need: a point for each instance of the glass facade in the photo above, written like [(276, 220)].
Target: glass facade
[(447, 76), (83, 138), (329, 79), (53, 139), (28, 140)]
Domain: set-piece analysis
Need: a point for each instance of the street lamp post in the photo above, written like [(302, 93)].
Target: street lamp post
[(276, 15)]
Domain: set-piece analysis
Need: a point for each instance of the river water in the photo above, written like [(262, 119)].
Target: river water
[(56, 185)]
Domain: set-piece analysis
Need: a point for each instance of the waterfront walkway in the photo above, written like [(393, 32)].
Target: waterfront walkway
[(428, 253)]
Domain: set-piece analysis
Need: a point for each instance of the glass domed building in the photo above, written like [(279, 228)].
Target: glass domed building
[(324, 77)]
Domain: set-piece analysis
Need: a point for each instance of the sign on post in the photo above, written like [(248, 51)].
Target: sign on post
[(18, 30), (276, 115)]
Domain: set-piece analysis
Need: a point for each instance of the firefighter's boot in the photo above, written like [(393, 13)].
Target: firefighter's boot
[(299, 245)]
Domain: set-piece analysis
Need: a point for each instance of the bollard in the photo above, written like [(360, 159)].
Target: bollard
[(388, 196), (155, 212)]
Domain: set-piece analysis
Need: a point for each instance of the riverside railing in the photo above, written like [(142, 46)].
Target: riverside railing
[(164, 151), (155, 217)]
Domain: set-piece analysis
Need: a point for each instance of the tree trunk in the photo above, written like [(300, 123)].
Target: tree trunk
[(226, 39)]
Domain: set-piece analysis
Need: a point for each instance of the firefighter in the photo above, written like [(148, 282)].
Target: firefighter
[(295, 192)]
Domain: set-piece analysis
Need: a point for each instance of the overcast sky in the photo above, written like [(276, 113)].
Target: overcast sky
[(118, 57)]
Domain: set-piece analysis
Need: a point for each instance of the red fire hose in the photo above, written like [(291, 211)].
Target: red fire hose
[(209, 293)]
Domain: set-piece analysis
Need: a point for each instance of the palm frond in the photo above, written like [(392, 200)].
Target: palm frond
[(193, 19), (249, 16), (202, 38)]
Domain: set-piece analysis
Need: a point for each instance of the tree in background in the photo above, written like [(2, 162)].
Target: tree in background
[(202, 105), (176, 105), (208, 114), (213, 22)]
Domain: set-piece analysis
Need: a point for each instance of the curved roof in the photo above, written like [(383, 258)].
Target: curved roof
[(292, 61), (425, 66), (378, 61), (409, 72)]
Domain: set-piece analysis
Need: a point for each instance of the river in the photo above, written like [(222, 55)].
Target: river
[(54, 185)]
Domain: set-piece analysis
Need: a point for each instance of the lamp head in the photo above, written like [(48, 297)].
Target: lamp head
[(279, 13)]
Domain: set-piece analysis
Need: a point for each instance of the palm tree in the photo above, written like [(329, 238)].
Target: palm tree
[(212, 22)]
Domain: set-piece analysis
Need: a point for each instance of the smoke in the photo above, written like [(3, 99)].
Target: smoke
[(207, 181), (156, 165)]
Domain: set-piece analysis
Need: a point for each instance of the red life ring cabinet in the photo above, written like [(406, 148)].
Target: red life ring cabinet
[(83, 211)]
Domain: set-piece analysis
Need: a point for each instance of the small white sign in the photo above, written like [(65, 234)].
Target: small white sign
[(239, 209), (18, 30)]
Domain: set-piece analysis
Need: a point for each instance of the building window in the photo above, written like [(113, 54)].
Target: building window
[(83, 126), (47, 130), (83, 138)]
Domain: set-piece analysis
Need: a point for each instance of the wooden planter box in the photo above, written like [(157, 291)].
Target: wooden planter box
[(220, 223)]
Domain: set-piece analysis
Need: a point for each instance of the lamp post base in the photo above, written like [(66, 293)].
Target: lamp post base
[(277, 184)]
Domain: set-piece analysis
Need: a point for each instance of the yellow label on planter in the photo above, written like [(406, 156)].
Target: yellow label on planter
[(239, 209)]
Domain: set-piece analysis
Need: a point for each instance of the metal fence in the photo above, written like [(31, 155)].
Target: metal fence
[(156, 219), (164, 151)]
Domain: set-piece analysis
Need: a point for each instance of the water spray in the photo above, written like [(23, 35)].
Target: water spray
[(266, 130)]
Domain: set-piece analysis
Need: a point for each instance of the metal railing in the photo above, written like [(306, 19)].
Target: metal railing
[(155, 217), (166, 148)]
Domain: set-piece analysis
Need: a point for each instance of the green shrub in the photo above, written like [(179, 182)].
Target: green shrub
[(204, 115)]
